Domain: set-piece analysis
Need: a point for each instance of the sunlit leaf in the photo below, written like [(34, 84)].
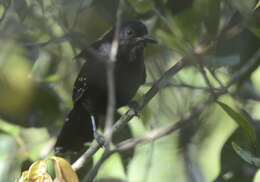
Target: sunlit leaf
[(257, 176), (64, 170), (51, 168), (37, 170), (36, 173), (258, 5), (16, 88), (255, 31), (246, 155), (9, 128), (52, 78), (242, 121)]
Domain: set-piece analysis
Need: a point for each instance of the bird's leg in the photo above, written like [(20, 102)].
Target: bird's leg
[(99, 138), (135, 106)]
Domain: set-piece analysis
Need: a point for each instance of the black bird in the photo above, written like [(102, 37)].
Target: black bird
[(90, 88)]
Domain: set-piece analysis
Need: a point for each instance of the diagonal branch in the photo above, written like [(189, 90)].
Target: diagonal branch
[(131, 113), (155, 134)]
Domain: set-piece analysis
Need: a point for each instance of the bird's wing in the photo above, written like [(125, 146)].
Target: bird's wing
[(102, 50), (80, 87)]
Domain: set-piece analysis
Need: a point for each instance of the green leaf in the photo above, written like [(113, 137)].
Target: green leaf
[(255, 31), (258, 5), (257, 176), (242, 121), (9, 128), (246, 155)]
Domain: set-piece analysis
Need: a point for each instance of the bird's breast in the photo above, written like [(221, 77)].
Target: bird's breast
[(128, 78)]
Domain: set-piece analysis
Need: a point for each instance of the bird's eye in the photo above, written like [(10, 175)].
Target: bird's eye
[(130, 32)]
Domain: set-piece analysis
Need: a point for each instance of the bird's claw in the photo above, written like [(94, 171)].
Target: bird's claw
[(100, 139), (135, 106)]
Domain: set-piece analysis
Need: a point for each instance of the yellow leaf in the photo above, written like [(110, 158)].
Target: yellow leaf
[(37, 168), (64, 170), (38, 172), (45, 178)]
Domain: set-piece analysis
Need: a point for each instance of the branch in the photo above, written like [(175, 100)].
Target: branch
[(204, 74), (110, 78), (131, 113), (184, 85), (110, 65), (93, 172), (151, 136), (158, 133), (163, 131), (251, 63)]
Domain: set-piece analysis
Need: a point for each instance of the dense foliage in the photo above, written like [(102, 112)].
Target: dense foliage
[(210, 106)]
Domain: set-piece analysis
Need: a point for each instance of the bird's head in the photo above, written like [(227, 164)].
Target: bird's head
[(133, 37), (134, 33)]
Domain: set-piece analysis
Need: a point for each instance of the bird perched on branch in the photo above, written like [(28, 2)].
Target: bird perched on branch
[(90, 92)]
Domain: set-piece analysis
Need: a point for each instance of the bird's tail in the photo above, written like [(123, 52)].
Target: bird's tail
[(76, 131)]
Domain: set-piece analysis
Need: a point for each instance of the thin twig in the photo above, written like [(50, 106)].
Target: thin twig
[(163, 131), (150, 137), (237, 75), (93, 172), (110, 77), (131, 113), (147, 97), (204, 75), (157, 133), (110, 66), (184, 85)]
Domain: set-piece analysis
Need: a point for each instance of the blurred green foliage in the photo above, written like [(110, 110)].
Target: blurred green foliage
[(39, 39)]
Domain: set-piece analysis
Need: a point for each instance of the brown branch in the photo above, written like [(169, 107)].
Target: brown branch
[(93, 172), (158, 133), (110, 65), (163, 131), (110, 77), (131, 113), (150, 137)]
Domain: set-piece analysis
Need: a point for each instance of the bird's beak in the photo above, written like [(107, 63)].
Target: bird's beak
[(147, 39)]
